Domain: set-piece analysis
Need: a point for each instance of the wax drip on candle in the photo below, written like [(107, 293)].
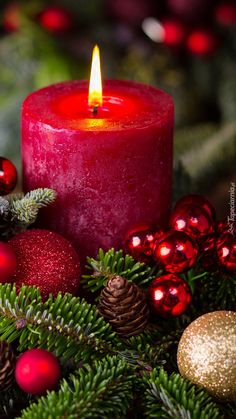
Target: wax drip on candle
[(95, 85)]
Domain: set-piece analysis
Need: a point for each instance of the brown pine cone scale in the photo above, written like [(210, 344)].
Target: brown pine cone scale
[(124, 306), (7, 365)]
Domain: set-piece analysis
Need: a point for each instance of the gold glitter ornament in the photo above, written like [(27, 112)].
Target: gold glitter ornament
[(207, 354)]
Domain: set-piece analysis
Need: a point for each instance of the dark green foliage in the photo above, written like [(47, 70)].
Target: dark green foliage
[(99, 391), (174, 397), (68, 326), (113, 263), (219, 291)]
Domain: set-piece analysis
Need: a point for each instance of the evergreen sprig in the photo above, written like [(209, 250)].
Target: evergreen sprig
[(174, 397), (65, 325), (112, 263), (19, 211), (99, 391)]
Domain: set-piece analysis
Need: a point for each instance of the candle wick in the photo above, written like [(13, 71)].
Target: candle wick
[(95, 110)]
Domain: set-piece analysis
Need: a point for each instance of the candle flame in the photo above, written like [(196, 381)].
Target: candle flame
[(95, 85)]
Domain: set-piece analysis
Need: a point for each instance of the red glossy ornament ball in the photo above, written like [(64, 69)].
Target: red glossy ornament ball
[(226, 251), (8, 176), (226, 226), (37, 371), (225, 13), (202, 42), (193, 220), (200, 201), (176, 252), (174, 33), (7, 263), (46, 260), (55, 19), (169, 295), (139, 242)]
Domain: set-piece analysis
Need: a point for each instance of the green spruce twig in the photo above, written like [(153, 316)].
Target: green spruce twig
[(113, 263), (102, 390), (174, 397)]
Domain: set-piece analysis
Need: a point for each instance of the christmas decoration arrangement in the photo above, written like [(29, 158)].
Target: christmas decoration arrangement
[(148, 332)]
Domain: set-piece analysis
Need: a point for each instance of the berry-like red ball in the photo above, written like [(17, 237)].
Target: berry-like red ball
[(169, 295), (200, 201), (176, 252), (202, 42), (225, 13), (8, 176), (139, 242), (226, 251), (37, 371), (193, 220), (7, 263), (55, 19), (46, 260), (12, 17), (174, 33)]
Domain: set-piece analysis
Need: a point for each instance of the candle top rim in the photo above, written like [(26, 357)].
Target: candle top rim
[(142, 106)]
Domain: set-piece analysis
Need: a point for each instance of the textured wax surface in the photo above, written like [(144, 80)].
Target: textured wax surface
[(47, 260), (207, 353), (109, 178)]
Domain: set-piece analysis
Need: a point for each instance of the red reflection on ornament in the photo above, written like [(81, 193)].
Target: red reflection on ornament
[(139, 242), (226, 251), (176, 252), (193, 220), (169, 295)]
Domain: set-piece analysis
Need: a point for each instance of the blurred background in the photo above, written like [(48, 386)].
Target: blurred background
[(186, 47)]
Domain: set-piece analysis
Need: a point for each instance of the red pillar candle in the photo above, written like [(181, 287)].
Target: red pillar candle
[(111, 170)]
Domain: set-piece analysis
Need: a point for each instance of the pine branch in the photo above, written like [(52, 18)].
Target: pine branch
[(24, 211), (218, 291), (103, 390), (42, 196), (115, 263), (66, 325), (18, 211), (174, 397)]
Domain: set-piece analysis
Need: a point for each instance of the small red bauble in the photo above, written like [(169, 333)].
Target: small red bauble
[(12, 17), (37, 371), (200, 201), (176, 252), (226, 251), (7, 263), (225, 13), (55, 19), (193, 220), (202, 42), (8, 176), (139, 242), (174, 33), (226, 225), (169, 295), (46, 260)]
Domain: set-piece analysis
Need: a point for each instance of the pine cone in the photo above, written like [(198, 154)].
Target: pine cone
[(7, 365), (124, 306)]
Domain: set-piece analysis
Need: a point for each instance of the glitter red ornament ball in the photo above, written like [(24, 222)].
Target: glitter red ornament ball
[(8, 176), (169, 295), (193, 220), (226, 251), (202, 42), (55, 19), (225, 13), (200, 201), (176, 252), (37, 371), (139, 242), (47, 260), (7, 263)]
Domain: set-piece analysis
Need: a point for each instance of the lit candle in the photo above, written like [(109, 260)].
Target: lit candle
[(109, 157)]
